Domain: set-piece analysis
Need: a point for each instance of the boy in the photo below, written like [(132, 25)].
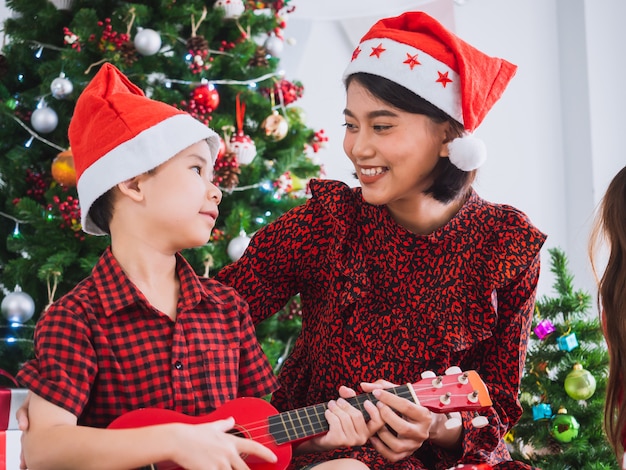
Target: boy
[(143, 330)]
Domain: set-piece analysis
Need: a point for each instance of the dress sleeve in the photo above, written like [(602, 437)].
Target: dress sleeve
[(507, 273), (283, 256)]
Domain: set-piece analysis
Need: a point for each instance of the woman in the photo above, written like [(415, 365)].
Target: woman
[(412, 271), (610, 224)]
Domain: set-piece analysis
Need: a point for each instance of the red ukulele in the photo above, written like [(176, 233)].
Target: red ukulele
[(256, 419)]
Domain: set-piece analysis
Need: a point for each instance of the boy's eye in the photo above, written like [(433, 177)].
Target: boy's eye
[(197, 169), (348, 125), (381, 128)]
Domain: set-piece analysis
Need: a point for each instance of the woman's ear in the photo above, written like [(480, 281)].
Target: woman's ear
[(131, 188), (447, 138)]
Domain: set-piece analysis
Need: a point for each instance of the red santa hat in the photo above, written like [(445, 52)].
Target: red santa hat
[(117, 133), (417, 52)]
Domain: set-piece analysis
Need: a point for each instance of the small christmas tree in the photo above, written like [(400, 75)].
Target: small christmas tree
[(217, 60), (564, 383)]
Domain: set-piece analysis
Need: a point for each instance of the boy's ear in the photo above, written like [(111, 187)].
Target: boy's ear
[(131, 188)]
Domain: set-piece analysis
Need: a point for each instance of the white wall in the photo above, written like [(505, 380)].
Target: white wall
[(553, 137)]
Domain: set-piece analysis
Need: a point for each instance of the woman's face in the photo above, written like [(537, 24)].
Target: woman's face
[(393, 152)]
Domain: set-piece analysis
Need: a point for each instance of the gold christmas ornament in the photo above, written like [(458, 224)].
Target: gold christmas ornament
[(63, 170)]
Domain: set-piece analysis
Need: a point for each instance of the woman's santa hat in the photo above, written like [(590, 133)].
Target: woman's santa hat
[(117, 133), (417, 52)]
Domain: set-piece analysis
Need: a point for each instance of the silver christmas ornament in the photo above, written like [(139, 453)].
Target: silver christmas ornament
[(238, 245), (44, 120), (147, 41), (62, 4), (274, 45), (61, 87), (18, 306)]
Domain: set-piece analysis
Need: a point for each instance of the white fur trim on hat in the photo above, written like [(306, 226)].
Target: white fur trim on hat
[(142, 153), (431, 79), (467, 153)]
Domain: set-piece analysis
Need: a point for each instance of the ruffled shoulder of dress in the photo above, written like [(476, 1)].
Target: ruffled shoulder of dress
[(509, 240), (338, 199)]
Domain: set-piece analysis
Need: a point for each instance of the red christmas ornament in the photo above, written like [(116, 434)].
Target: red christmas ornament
[(205, 98), (241, 144)]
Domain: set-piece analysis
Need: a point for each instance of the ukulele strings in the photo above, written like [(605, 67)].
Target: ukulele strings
[(298, 425)]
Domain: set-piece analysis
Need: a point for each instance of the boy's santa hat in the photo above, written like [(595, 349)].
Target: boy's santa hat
[(417, 52), (117, 133)]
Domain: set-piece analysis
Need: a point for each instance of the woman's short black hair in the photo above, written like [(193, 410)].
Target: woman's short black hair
[(450, 182)]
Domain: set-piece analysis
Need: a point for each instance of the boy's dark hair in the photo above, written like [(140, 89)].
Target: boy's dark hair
[(450, 182), (101, 211)]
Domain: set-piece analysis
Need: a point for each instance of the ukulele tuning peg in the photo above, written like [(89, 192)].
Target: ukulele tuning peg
[(473, 397), (428, 374), (438, 382), (480, 422), (454, 421), (445, 398), (453, 370), (463, 378)]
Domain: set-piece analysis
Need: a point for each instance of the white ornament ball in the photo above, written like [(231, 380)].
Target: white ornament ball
[(44, 120), (62, 4), (147, 41), (274, 45), (18, 307), (233, 9), (243, 146), (238, 245), (61, 87)]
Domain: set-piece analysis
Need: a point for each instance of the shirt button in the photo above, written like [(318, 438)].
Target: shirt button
[(178, 365)]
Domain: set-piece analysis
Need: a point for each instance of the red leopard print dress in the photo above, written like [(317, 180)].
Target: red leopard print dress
[(381, 302)]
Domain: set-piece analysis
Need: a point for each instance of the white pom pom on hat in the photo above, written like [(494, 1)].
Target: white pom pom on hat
[(467, 153), (414, 50)]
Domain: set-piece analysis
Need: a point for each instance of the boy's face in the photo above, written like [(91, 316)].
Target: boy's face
[(181, 200)]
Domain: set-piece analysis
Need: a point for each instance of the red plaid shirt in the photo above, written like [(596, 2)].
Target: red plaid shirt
[(103, 350)]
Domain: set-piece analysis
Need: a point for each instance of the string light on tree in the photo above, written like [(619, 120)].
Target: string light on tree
[(17, 306)]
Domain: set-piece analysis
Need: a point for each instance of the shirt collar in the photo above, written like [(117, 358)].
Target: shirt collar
[(117, 291)]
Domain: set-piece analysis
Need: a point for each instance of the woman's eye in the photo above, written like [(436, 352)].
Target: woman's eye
[(347, 125), (381, 128), (197, 169)]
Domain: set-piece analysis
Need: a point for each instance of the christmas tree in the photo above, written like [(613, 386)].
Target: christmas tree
[(564, 382), (218, 60)]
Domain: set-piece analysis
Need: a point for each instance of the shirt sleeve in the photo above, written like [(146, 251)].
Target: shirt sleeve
[(65, 360)]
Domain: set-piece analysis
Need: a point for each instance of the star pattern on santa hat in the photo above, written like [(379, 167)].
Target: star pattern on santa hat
[(411, 60), (443, 79), (378, 50), (356, 53)]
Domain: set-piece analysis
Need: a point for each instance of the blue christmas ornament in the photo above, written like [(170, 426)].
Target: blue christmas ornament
[(542, 411), (567, 342)]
